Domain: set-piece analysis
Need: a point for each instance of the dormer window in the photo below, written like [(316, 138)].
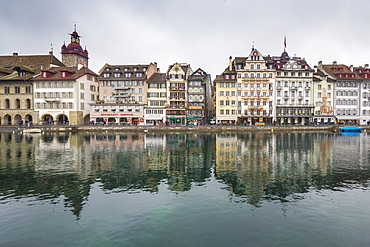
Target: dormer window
[(44, 74), (63, 74), (144, 69), (135, 69), (22, 73), (106, 75), (116, 74), (126, 69)]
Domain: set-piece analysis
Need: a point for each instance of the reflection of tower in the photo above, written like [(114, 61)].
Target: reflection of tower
[(325, 109), (73, 54)]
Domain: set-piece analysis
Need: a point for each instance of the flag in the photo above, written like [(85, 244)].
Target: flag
[(284, 42)]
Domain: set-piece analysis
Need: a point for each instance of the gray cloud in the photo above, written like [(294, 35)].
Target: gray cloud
[(203, 33)]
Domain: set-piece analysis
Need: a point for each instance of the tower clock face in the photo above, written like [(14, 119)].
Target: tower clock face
[(82, 61), (78, 40), (73, 39)]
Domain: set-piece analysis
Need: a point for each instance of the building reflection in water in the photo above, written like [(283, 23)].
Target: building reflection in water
[(254, 166)]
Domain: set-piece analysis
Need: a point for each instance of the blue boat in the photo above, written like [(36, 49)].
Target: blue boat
[(350, 129)]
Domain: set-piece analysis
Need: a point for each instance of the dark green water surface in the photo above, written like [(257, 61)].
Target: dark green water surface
[(175, 189)]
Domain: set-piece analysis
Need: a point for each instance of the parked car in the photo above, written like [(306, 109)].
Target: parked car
[(212, 121)]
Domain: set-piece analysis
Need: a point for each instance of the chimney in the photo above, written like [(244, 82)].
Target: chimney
[(334, 62), (315, 68), (15, 53), (366, 66), (230, 63), (351, 68), (320, 65)]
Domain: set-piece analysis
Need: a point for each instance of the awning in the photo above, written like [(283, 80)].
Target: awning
[(190, 117), (170, 117)]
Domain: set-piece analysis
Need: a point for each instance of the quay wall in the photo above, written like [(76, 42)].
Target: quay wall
[(204, 128)]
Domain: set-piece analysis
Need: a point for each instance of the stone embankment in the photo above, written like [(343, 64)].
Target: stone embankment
[(204, 128)]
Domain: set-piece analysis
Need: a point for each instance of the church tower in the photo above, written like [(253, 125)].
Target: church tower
[(73, 54)]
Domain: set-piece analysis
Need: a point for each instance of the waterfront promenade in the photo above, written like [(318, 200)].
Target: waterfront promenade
[(179, 128)]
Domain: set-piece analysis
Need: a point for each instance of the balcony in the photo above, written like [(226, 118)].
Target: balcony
[(122, 95), (177, 106), (278, 88), (53, 99), (307, 88), (293, 88), (177, 88), (121, 87)]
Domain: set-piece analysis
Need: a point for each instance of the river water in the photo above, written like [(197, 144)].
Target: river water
[(176, 189)]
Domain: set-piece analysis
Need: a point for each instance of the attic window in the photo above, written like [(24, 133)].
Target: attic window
[(63, 74), (44, 74), (22, 73)]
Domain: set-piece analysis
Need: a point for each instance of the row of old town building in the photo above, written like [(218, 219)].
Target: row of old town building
[(252, 90)]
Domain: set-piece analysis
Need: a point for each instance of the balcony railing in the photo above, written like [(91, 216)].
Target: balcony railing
[(53, 99), (122, 95)]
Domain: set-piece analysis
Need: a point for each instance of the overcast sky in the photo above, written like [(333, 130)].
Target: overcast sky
[(203, 33)]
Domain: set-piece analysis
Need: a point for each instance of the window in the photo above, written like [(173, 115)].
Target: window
[(319, 86), (82, 96), (82, 86), (28, 103), (6, 90), (28, 89), (17, 89), (221, 102), (17, 104)]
